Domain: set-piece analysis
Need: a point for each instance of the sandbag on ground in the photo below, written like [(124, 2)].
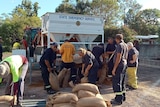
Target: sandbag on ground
[(83, 93), (64, 105), (102, 74), (64, 98), (53, 79), (61, 75), (91, 102), (86, 86), (5, 100), (84, 80), (66, 79)]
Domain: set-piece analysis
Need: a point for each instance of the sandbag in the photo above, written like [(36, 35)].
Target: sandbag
[(53, 79), (99, 96), (86, 86), (6, 98), (102, 74), (66, 79), (84, 80), (5, 104), (83, 93), (64, 98), (64, 105), (49, 104), (61, 75), (91, 102)]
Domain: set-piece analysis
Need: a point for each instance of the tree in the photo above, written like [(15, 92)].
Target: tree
[(105, 8), (65, 7), (13, 26), (147, 22), (127, 33), (28, 7), (128, 10), (80, 7)]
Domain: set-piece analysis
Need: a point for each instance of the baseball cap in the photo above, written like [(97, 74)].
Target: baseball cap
[(54, 44)]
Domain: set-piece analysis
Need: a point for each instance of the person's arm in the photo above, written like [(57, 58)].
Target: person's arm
[(61, 49), (83, 68), (49, 68), (134, 57), (74, 50), (118, 59), (110, 52), (87, 69), (15, 92)]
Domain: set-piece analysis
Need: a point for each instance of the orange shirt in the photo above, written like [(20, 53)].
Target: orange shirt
[(67, 51)]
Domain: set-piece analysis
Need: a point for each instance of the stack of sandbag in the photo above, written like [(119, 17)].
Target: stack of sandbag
[(89, 96), (5, 101), (63, 77), (53, 79), (102, 74), (84, 80), (62, 99)]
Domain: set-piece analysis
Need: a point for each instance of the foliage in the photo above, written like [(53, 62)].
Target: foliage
[(80, 7), (28, 7), (147, 22), (127, 33), (128, 10), (13, 26)]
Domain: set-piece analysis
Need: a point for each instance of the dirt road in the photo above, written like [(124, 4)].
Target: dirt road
[(147, 95)]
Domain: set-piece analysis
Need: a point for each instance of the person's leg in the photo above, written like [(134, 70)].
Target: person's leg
[(24, 71), (8, 85), (110, 68), (92, 76), (45, 76), (123, 86), (73, 74), (117, 85), (132, 77)]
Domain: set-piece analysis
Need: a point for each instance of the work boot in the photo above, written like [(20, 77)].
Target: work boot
[(114, 102), (50, 91)]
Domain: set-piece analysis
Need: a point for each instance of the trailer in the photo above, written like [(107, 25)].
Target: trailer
[(79, 29)]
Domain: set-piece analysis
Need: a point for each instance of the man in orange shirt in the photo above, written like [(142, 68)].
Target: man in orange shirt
[(67, 51)]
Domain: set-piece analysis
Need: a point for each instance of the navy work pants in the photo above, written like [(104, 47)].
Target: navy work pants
[(73, 70), (92, 76), (118, 83), (110, 67), (45, 76)]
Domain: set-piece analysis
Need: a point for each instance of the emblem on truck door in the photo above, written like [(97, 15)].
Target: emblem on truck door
[(78, 23)]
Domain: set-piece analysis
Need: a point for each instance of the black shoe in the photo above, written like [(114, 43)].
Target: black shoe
[(124, 98), (130, 88), (50, 91), (114, 102)]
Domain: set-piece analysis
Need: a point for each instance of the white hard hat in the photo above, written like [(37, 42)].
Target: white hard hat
[(4, 72)]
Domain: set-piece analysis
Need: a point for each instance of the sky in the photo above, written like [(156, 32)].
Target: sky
[(6, 6)]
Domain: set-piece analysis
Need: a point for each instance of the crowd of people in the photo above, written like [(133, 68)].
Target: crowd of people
[(121, 58)]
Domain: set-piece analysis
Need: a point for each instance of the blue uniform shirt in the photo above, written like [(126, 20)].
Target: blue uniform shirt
[(88, 59), (132, 52), (49, 55)]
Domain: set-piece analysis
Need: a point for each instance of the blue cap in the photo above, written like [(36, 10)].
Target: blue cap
[(54, 44)]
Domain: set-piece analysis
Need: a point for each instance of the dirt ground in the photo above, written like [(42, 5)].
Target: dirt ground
[(147, 95)]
